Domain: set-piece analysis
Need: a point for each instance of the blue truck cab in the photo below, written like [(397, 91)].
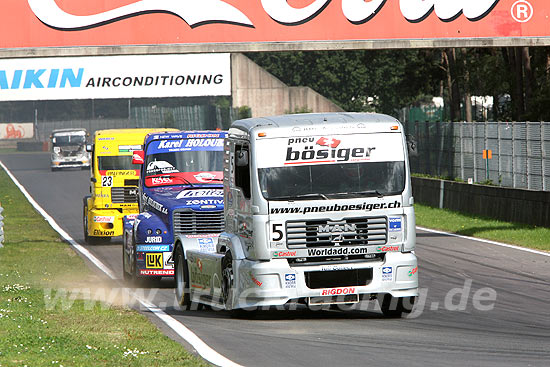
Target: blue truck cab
[(180, 193)]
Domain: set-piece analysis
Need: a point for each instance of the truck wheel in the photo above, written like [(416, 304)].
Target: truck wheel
[(85, 219), (395, 307), (181, 273), (128, 277), (228, 278)]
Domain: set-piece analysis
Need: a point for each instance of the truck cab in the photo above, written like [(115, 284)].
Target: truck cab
[(180, 194), (113, 182), (68, 149), (318, 210)]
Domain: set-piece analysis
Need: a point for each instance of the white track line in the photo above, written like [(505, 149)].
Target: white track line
[(485, 241), (201, 347)]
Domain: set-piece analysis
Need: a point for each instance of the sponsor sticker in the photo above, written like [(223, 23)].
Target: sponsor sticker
[(201, 235), (99, 232), (154, 261), (153, 239), (152, 248), (290, 280), (335, 267), (206, 245), (254, 279), (284, 254), (387, 249), (205, 177), (338, 291), (387, 274), (161, 272), (161, 181), (128, 148), (103, 219), (395, 224)]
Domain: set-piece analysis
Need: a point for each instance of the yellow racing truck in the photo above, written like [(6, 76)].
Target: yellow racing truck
[(113, 182)]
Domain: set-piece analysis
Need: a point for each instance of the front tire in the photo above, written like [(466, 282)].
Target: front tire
[(395, 307), (85, 219), (128, 276), (181, 275)]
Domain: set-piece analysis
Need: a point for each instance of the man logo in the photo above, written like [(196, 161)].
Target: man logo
[(337, 228), (337, 231)]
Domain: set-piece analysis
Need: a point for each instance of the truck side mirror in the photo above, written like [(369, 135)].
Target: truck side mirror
[(242, 158), (89, 148), (138, 157)]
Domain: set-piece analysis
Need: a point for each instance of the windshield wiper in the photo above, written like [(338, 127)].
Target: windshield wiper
[(301, 197), (368, 193)]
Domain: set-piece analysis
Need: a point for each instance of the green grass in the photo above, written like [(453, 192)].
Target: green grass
[(470, 225), (37, 328)]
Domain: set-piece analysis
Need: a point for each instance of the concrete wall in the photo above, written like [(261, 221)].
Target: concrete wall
[(266, 95), (512, 205)]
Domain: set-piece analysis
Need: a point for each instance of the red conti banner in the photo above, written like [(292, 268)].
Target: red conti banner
[(62, 23)]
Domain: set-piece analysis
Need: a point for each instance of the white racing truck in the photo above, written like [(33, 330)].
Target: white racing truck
[(318, 210)]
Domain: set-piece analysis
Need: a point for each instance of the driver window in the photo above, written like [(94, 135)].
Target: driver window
[(242, 169)]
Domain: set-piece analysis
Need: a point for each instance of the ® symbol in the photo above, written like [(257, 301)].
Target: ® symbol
[(522, 11)]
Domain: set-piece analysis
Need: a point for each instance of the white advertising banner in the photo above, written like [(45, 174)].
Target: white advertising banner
[(99, 77), (17, 130), (330, 149)]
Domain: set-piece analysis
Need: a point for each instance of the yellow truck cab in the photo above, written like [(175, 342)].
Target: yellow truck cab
[(113, 182)]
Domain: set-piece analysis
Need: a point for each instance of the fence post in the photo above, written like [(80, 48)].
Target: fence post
[(474, 150), (544, 153)]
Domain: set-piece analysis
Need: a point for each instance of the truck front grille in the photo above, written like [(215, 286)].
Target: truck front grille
[(326, 233), (190, 222), (123, 195)]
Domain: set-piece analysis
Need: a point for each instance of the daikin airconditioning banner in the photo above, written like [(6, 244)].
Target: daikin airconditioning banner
[(100, 77)]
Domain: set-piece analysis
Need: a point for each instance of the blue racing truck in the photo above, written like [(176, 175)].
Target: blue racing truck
[(180, 194)]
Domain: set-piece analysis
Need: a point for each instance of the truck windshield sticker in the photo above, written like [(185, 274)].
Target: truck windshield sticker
[(183, 145), (330, 149), (200, 193), (184, 178)]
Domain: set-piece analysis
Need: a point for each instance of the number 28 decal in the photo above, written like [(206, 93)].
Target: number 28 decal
[(107, 181)]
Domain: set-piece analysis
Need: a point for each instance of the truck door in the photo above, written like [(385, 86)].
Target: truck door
[(238, 200)]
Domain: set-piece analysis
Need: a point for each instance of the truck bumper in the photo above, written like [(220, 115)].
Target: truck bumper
[(276, 283), (105, 222), (82, 163)]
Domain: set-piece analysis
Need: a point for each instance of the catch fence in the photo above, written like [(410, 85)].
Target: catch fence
[(520, 152), (199, 117)]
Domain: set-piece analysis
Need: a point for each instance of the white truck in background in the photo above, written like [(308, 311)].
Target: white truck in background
[(318, 210), (68, 149)]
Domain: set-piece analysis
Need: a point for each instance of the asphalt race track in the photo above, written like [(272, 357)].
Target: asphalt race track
[(480, 304)]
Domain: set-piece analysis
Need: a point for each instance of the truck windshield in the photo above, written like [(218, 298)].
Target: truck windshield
[(64, 140), (116, 162), (184, 167), (332, 180)]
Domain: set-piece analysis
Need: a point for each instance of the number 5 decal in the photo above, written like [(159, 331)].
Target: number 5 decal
[(277, 233), (107, 181)]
